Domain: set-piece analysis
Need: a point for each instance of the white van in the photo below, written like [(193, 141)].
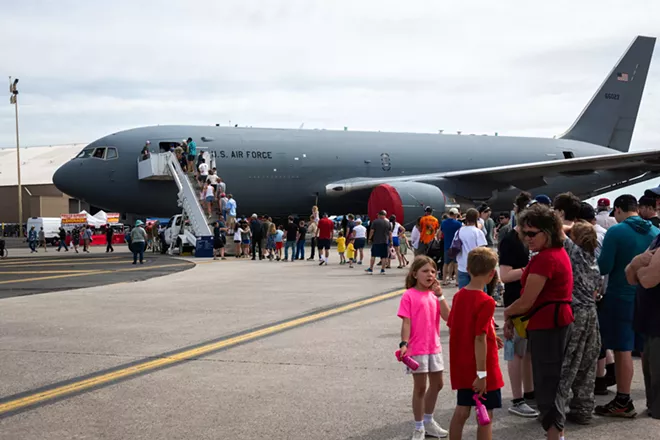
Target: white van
[(51, 227)]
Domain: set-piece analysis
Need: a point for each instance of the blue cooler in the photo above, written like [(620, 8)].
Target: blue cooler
[(204, 247)]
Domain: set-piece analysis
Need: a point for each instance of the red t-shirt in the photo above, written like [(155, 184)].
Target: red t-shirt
[(472, 315), (326, 227), (555, 265)]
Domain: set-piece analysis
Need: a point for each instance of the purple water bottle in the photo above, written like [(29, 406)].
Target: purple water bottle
[(482, 413), (410, 362)]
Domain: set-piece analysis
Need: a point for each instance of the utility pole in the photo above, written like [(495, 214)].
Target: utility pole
[(13, 99)]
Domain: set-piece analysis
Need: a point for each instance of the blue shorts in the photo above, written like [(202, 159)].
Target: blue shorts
[(463, 279), (209, 198), (448, 260), (493, 398), (615, 318), (395, 241), (380, 251), (246, 241), (360, 243)]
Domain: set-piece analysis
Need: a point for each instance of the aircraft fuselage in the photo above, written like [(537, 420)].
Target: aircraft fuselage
[(280, 171)]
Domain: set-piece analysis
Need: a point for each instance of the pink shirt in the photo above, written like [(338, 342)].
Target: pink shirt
[(423, 310)]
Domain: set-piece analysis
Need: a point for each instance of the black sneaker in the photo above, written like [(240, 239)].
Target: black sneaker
[(601, 387), (617, 409)]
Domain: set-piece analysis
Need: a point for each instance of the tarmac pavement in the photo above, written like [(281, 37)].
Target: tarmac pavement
[(25, 273), (290, 354)]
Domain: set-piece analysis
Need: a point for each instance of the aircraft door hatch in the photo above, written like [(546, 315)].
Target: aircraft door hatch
[(385, 161)]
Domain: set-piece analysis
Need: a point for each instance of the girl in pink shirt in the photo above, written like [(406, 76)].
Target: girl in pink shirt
[(420, 309)]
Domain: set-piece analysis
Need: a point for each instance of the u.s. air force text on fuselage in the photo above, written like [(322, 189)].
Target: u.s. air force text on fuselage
[(247, 154)]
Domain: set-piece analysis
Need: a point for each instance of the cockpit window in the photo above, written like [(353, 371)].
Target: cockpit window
[(103, 153), (99, 153), (87, 152)]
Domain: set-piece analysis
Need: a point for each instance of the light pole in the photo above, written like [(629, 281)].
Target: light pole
[(14, 100)]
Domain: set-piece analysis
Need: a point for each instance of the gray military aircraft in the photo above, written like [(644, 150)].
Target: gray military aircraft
[(285, 171)]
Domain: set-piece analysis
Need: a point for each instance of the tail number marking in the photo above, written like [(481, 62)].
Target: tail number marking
[(614, 96)]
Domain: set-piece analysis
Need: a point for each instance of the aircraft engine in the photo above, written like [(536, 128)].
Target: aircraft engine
[(406, 200)]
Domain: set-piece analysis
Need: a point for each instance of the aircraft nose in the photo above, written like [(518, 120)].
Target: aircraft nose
[(64, 179)]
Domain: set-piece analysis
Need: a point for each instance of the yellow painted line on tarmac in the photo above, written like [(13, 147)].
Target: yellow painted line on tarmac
[(82, 259), (37, 272), (143, 367), (83, 263), (89, 273)]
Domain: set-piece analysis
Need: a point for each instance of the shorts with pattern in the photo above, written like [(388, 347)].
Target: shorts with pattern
[(428, 363)]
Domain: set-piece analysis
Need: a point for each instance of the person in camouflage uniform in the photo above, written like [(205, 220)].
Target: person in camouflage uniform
[(579, 367)]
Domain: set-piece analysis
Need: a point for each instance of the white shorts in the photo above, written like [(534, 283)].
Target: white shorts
[(428, 363)]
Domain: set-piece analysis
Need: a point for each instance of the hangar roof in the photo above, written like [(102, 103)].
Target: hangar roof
[(38, 164)]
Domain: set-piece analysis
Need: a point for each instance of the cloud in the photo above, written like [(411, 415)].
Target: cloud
[(521, 69)]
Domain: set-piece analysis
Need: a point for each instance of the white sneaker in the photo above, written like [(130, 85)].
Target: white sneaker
[(433, 429), (418, 434)]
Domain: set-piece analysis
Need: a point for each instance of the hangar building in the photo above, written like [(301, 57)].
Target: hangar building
[(40, 197)]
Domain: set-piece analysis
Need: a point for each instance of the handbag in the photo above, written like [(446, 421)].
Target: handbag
[(456, 246)]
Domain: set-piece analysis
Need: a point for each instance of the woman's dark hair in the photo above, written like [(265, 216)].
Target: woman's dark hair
[(522, 200), (542, 218)]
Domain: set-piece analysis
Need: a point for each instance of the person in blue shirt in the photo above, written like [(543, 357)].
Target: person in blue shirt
[(449, 227), (192, 152), (623, 242), (32, 240)]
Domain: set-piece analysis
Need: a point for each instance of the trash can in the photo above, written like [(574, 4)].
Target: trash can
[(204, 247)]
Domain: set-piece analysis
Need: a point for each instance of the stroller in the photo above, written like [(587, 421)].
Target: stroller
[(436, 251)]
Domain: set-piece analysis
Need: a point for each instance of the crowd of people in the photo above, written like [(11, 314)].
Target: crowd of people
[(579, 284)]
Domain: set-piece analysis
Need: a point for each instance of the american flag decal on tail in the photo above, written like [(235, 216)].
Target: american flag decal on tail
[(622, 77)]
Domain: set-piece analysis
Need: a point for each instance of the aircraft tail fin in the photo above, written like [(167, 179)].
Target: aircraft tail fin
[(609, 118)]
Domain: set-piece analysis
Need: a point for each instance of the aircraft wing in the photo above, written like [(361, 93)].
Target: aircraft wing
[(523, 176)]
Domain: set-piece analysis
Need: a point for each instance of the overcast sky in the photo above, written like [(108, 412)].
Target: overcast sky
[(526, 68)]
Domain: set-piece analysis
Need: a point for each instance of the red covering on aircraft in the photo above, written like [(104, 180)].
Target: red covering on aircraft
[(385, 197)]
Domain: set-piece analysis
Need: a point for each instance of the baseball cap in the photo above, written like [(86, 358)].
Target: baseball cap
[(653, 192), (453, 211), (603, 202), (543, 199), (428, 209)]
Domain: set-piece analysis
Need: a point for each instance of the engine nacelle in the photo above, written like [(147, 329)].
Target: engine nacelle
[(406, 200)]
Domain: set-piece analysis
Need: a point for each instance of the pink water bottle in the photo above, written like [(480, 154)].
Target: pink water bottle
[(482, 413), (410, 362)]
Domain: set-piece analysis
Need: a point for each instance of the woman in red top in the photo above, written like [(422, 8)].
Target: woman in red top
[(546, 302)]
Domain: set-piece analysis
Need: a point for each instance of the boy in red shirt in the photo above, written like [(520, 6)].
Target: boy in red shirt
[(473, 344)]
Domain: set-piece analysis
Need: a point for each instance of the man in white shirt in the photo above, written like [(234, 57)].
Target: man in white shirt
[(203, 171), (603, 217), (359, 234), (471, 237)]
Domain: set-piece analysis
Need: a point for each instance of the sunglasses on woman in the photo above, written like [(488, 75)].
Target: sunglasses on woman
[(531, 234)]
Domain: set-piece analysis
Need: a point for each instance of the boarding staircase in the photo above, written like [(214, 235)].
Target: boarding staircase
[(165, 166)]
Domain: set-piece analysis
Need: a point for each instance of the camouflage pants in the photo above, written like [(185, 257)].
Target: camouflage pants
[(578, 372)]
